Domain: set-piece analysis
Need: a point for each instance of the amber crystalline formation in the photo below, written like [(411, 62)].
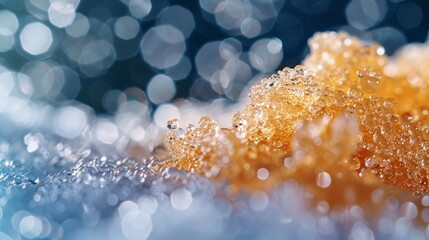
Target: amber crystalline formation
[(356, 67), (342, 126)]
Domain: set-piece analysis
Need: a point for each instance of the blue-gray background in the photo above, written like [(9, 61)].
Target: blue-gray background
[(95, 52)]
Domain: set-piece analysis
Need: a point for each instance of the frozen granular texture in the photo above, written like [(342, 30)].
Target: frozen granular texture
[(359, 67), (51, 187), (55, 188), (339, 127)]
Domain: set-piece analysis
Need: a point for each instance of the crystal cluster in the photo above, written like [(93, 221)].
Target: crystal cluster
[(348, 123), (345, 62)]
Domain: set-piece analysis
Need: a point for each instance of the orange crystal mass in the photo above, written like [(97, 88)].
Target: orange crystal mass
[(348, 122)]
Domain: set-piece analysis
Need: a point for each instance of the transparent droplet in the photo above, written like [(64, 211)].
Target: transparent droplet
[(389, 103), (180, 133), (354, 93), (301, 70), (371, 162), (370, 84), (172, 124)]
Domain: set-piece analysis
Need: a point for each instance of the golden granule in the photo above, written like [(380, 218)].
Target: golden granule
[(338, 126), (347, 63)]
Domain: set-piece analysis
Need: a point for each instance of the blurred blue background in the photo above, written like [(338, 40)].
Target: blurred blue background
[(102, 53)]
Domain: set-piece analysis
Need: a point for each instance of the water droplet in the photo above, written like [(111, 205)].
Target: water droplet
[(354, 93), (277, 144), (425, 131), (301, 70), (173, 124), (190, 127), (180, 133), (371, 162), (389, 103), (354, 163), (359, 74), (370, 84)]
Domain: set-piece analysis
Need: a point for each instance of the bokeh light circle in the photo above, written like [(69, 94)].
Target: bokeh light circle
[(79, 27), (409, 15), (364, 14), (7, 40), (163, 46), (8, 21), (160, 89), (69, 121), (36, 38), (250, 27), (61, 14), (266, 54), (140, 8), (126, 27), (211, 58), (7, 81), (30, 226), (178, 17)]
